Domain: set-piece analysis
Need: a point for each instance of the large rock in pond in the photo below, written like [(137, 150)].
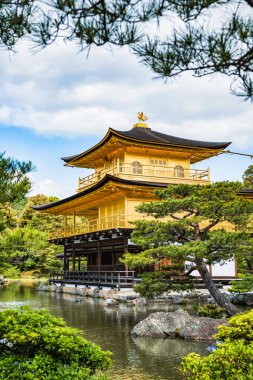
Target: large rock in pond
[(162, 324), (178, 323), (42, 287), (139, 302), (201, 329), (111, 302), (242, 298)]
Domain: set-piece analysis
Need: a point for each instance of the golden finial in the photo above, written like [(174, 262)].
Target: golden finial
[(142, 117), (141, 123)]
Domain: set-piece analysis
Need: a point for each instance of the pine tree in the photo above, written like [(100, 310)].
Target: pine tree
[(196, 226), (14, 185)]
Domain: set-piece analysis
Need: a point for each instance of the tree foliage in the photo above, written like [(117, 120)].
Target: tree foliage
[(231, 356), (40, 221), (248, 177), (190, 226), (14, 185), (36, 345), (23, 231), (26, 249), (24, 244), (244, 285), (188, 36)]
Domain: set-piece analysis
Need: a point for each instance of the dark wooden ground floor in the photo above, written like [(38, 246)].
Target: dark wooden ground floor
[(94, 258)]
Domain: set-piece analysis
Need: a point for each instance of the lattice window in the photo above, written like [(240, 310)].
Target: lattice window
[(179, 171), (137, 167), (158, 162)]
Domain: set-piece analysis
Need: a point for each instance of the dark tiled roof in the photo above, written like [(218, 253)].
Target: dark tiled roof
[(70, 158), (98, 185), (151, 137), (146, 134)]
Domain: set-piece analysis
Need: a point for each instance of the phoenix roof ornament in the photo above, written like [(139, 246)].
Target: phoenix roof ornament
[(142, 117)]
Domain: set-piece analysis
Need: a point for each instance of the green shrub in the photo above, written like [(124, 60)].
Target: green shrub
[(151, 285), (11, 272), (156, 283), (231, 355), (243, 286), (211, 311), (35, 345)]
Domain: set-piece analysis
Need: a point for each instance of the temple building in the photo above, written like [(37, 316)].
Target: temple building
[(127, 167)]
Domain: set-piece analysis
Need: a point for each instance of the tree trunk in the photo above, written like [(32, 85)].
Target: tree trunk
[(221, 300), (249, 263)]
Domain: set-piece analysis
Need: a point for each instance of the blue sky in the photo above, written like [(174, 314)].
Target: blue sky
[(57, 103)]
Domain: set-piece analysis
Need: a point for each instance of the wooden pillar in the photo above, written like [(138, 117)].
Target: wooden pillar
[(65, 263), (99, 256), (113, 256), (74, 222), (125, 251), (65, 225), (118, 167), (79, 263), (73, 258)]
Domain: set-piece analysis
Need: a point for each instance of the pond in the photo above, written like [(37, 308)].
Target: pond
[(133, 358)]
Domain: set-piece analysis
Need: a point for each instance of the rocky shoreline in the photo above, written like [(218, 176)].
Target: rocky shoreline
[(114, 297)]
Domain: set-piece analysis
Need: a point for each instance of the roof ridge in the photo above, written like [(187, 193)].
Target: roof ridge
[(160, 138)]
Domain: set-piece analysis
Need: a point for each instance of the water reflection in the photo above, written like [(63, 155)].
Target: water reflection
[(133, 358)]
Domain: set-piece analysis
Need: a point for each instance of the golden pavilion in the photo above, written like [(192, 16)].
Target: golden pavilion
[(127, 167)]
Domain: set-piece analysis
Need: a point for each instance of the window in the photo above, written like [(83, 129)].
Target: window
[(179, 171), (158, 162), (137, 167)]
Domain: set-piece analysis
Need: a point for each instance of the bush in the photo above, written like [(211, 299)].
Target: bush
[(11, 272), (211, 311), (243, 286), (36, 345), (156, 283), (231, 356), (151, 285)]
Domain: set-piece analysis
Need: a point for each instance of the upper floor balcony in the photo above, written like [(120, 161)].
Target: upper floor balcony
[(149, 173), (109, 222), (94, 225)]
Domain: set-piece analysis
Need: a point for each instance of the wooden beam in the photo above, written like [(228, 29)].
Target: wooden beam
[(73, 258), (99, 255), (74, 222), (65, 259)]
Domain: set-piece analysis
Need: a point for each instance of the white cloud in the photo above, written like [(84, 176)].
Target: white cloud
[(47, 187), (57, 92)]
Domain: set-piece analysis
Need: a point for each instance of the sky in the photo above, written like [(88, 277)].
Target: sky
[(57, 102)]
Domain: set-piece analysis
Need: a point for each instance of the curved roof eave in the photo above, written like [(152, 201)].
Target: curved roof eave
[(149, 137), (80, 155), (97, 186)]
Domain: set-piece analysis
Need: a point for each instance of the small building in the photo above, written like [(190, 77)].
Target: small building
[(127, 167)]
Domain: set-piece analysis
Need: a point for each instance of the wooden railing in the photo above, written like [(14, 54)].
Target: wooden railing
[(106, 268), (93, 225), (109, 278), (152, 173)]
